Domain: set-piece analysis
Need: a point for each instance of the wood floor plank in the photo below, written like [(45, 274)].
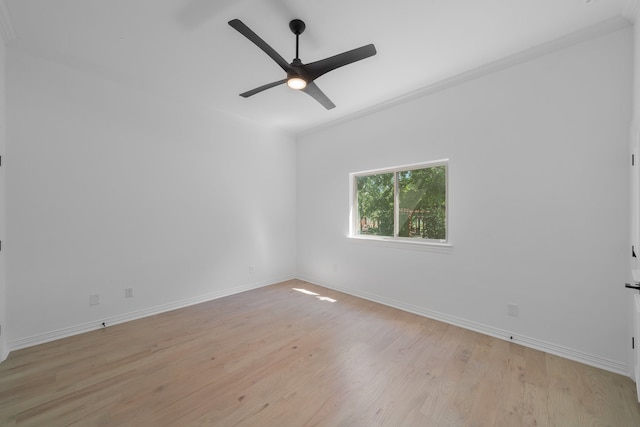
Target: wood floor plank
[(276, 356), (510, 409)]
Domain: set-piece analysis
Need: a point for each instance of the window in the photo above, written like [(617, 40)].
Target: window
[(407, 203)]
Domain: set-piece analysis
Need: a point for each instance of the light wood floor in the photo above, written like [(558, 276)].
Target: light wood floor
[(278, 357)]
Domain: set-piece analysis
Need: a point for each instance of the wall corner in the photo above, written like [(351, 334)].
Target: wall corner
[(631, 10)]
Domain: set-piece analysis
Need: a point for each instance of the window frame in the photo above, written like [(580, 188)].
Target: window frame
[(396, 241)]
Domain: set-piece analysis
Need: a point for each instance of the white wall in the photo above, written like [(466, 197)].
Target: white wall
[(539, 209), (634, 354), (111, 188), (636, 56), (3, 279)]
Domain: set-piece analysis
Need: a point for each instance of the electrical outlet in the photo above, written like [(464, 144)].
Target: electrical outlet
[(94, 299), (128, 293), (513, 310), (251, 269), (335, 268)]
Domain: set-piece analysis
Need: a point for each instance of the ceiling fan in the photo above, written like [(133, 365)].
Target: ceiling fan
[(302, 76)]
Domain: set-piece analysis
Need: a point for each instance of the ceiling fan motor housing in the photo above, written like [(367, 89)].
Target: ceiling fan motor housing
[(297, 70)]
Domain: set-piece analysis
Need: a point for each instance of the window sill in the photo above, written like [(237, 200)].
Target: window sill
[(415, 245)]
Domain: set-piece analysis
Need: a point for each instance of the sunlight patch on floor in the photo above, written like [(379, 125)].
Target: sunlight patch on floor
[(304, 291), (321, 298)]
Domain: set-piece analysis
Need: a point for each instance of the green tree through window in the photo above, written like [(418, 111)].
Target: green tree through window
[(403, 202), (375, 204), (423, 203)]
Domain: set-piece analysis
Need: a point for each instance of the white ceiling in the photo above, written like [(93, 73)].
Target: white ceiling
[(185, 49)]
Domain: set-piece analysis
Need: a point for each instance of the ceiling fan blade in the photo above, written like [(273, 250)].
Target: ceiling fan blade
[(261, 88), (318, 68), (248, 33), (314, 91)]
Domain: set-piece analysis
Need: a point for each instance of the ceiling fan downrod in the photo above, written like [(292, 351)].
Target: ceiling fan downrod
[(297, 27)]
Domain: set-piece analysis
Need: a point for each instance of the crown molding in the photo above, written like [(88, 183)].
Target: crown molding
[(6, 27), (631, 10), (597, 30)]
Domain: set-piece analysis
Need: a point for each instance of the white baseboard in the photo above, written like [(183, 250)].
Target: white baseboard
[(551, 348), (126, 317), (4, 352)]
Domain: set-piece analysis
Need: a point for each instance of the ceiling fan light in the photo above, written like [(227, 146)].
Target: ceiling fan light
[(296, 83)]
